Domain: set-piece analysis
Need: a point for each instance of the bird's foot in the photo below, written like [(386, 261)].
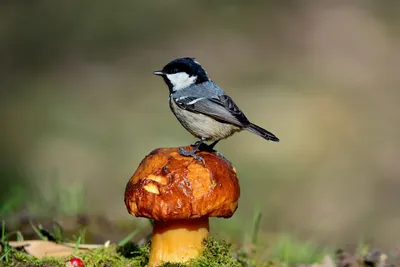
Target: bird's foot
[(197, 144), (191, 153)]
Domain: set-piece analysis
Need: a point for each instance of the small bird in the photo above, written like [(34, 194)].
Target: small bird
[(202, 107)]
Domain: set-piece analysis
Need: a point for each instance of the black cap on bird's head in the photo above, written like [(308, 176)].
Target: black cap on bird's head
[(182, 72)]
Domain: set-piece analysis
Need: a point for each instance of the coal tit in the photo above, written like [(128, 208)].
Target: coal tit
[(202, 107)]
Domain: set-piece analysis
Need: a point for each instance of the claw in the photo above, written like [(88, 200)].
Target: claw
[(191, 153), (183, 152), (199, 159)]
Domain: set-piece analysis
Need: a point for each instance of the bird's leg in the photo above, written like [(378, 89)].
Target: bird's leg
[(213, 145), (210, 148), (197, 144), (192, 153)]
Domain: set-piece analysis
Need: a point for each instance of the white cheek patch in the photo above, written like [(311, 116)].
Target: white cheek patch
[(181, 80)]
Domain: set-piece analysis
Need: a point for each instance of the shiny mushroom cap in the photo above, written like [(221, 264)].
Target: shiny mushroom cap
[(169, 186)]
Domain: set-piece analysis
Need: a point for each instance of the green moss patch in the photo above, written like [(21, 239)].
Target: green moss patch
[(216, 253)]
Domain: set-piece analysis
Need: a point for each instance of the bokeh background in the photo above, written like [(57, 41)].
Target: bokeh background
[(80, 108)]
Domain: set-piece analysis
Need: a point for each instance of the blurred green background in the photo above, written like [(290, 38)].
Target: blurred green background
[(80, 108)]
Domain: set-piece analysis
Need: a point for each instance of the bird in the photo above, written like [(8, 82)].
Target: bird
[(202, 107)]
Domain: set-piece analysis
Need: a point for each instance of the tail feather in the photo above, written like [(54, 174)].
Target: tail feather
[(262, 132)]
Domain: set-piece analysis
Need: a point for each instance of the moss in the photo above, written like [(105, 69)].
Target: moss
[(138, 256), (216, 253), (23, 259), (111, 256)]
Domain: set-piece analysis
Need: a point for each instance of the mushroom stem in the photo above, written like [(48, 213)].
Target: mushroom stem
[(177, 240)]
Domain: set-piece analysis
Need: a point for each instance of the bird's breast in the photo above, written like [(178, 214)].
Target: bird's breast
[(202, 126)]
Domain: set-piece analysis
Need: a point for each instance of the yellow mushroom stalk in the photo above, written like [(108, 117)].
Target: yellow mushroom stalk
[(178, 240)]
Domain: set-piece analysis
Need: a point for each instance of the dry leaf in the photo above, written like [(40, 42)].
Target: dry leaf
[(41, 248)]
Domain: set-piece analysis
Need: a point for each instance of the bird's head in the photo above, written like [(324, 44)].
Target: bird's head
[(181, 73)]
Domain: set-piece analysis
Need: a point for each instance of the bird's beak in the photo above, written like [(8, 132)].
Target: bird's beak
[(159, 72)]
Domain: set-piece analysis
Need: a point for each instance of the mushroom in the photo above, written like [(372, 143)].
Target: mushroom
[(180, 193)]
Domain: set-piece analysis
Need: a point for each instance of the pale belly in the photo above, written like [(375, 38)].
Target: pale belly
[(202, 126)]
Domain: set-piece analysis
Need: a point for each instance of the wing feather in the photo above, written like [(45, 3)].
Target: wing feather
[(221, 108)]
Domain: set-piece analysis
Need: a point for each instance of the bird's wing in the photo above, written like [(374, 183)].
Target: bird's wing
[(221, 108)]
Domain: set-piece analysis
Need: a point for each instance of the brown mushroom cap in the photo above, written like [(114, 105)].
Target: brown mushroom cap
[(169, 186)]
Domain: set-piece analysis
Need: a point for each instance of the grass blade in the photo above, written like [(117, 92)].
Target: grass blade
[(256, 227), (78, 242), (128, 238), (3, 231), (58, 232), (19, 235), (37, 231), (5, 255)]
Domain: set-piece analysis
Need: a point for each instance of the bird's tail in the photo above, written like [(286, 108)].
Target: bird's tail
[(262, 132)]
